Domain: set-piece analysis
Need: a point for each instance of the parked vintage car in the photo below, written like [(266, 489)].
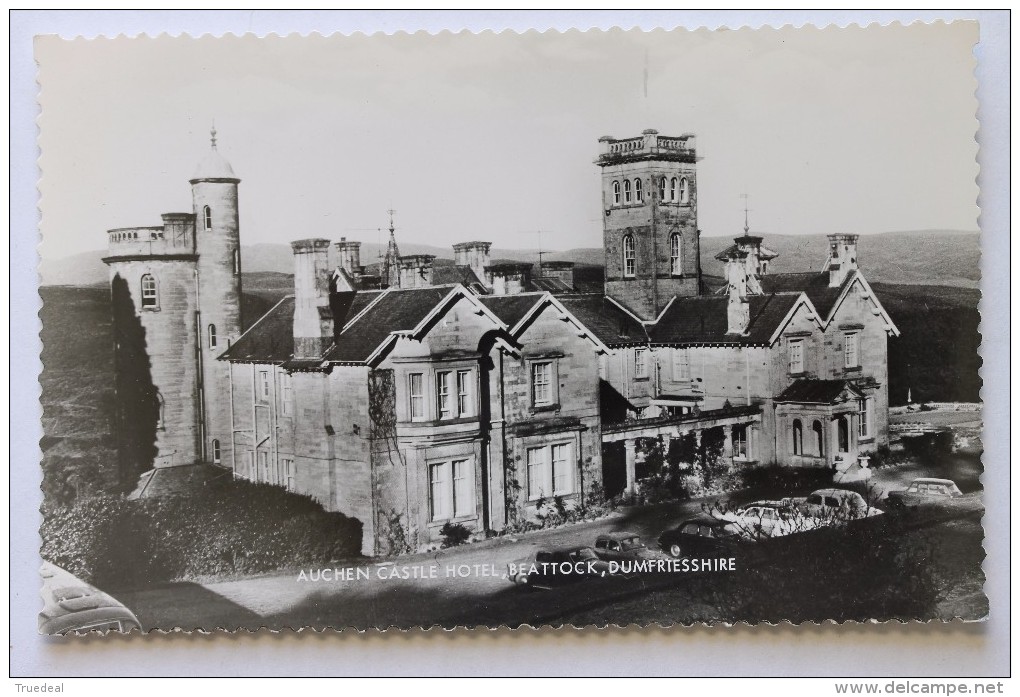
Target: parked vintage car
[(620, 546), (551, 569), (71, 605), (765, 519), (835, 506), (702, 536), (924, 491)]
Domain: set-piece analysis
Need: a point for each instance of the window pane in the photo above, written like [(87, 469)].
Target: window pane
[(640, 363), (850, 350), (416, 388), (463, 491), (561, 469), (440, 491), (537, 485), (443, 394), (465, 393), (541, 383), (681, 365)]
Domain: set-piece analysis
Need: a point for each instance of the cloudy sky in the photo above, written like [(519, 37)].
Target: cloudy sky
[(493, 136)]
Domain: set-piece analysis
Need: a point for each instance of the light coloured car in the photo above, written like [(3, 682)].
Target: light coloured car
[(925, 490), (833, 506), (70, 605), (765, 519)]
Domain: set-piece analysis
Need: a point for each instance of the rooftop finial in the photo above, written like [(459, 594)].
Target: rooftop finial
[(392, 229), (747, 227), (212, 135)]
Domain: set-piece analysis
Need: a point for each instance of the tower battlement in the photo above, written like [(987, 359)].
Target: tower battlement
[(174, 238), (648, 146)]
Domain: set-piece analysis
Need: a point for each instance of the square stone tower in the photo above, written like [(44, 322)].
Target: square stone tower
[(650, 220)]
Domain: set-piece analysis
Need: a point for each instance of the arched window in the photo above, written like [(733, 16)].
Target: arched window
[(160, 411), (798, 437), (676, 260), (237, 262), (216, 451), (626, 190), (684, 192), (672, 189), (616, 193), (207, 217), (662, 189), (150, 296), (637, 191), (629, 257), (819, 439), (212, 336)]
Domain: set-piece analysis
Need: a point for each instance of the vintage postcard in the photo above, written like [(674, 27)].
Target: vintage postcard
[(595, 328)]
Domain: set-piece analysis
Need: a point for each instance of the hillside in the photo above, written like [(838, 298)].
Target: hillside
[(937, 257)]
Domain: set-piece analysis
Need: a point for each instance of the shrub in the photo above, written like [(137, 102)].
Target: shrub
[(223, 528), (454, 534)]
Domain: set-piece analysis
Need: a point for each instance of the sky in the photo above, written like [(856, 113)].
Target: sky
[(493, 136)]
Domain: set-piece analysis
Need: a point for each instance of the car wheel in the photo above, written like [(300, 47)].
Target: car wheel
[(675, 551)]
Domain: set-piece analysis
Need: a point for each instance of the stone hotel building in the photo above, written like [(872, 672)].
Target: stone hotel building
[(418, 394)]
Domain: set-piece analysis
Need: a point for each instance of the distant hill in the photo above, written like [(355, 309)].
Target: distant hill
[(934, 257)]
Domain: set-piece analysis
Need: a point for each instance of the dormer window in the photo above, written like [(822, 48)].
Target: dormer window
[(626, 190), (207, 217), (629, 256), (616, 193)]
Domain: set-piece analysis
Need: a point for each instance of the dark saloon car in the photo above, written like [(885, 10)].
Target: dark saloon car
[(701, 536), (925, 491), (620, 546)]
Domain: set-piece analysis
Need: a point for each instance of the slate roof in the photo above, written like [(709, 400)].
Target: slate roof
[(703, 320), (464, 275), (396, 310), (814, 285), (511, 308), (605, 319), (269, 340), (553, 285), (814, 391)]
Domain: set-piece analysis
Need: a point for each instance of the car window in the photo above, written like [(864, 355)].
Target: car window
[(631, 542), (543, 557), (832, 502), (600, 544), (814, 499), (614, 545), (690, 529)]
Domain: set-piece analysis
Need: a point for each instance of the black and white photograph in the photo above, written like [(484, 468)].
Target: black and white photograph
[(479, 330)]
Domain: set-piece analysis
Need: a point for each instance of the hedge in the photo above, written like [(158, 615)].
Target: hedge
[(222, 528)]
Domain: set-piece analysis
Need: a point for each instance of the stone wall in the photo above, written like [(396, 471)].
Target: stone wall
[(155, 355)]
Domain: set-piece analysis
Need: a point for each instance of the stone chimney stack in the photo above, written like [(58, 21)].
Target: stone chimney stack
[(508, 279), (474, 255), (738, 310), (416, 270), (350, 256), (560, 270), (842, 260), (313, 321)]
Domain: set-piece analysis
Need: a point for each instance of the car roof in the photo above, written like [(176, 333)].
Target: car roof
[(766, 504), (833, 492), (705, 520), (618, 535), (933, 480)]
